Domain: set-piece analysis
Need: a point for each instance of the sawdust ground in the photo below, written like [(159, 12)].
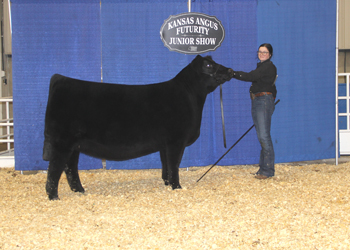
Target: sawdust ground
[(302, 207)]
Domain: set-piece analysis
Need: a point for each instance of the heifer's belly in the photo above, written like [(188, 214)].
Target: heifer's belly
[(116, 152)]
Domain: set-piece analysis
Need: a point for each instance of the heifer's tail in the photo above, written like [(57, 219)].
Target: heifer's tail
[(47, 151)]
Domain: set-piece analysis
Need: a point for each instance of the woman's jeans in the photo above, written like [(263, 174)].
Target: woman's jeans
[(262, 110)]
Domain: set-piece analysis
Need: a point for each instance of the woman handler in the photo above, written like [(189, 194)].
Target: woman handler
[(263, 93)]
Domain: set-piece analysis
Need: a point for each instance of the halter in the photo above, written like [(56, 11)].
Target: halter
[(221, 104), (211, 74), (215, 71), (222, 107)]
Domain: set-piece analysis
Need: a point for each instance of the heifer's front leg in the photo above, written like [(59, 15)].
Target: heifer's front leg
[(173, 158), (72, 174), (163, 159)]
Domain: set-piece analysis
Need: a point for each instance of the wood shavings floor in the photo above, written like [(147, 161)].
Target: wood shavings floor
[(302, 207)]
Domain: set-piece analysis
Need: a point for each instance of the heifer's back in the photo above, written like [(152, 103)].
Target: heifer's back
[(120, 122)]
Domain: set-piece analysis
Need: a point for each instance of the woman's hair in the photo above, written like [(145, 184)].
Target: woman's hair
[(268, 46)]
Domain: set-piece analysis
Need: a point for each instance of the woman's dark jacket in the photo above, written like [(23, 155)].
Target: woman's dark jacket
[(262, 78)]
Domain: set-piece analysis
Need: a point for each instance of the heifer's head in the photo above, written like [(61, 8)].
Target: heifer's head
[(213, 73)]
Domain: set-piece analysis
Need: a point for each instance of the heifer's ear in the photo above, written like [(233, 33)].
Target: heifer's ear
[(199, 59), (197, 62)]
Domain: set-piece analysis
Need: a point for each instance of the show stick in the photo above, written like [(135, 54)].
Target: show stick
[(230, 148)]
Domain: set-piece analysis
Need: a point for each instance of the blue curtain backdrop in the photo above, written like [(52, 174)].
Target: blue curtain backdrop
[(77, 38), (303, 36), (48, 38)]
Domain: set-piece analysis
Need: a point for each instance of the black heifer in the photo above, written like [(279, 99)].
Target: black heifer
[(120, 122)]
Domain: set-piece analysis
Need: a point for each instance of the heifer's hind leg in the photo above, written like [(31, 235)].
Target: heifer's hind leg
[(54, 172), (72, 173)]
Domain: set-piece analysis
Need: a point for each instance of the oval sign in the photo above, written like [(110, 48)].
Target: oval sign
[(192, 33)]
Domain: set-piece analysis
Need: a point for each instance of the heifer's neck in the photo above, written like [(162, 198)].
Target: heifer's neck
[(192, 81)]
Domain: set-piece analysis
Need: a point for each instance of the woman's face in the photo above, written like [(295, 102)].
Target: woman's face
[(263, 54)]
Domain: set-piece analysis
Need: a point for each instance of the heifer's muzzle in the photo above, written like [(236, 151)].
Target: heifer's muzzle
[(229, 71)]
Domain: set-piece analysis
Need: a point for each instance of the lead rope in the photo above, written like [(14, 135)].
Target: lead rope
[(222, 116)]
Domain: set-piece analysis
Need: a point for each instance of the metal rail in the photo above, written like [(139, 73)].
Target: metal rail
[(6, 136), (344, 134)]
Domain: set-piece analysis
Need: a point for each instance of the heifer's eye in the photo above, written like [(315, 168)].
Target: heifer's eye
[(209, 65)]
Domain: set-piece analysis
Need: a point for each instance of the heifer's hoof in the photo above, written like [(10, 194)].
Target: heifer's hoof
[(176, 186), (53, 198), (166, 182), (80, 190)]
